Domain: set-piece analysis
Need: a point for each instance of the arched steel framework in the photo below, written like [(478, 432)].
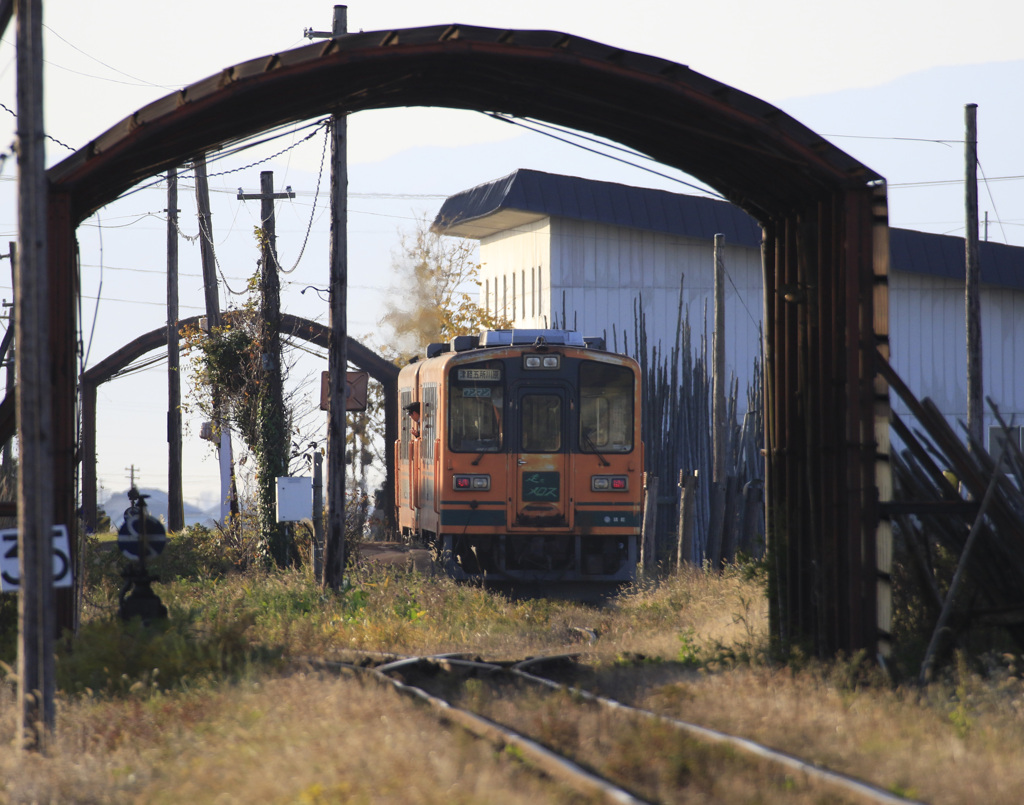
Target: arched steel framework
[(314, 332), (825, 253)]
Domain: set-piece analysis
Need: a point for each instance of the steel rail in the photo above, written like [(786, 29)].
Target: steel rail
[(862, 790), (853, 787), (551, 763)]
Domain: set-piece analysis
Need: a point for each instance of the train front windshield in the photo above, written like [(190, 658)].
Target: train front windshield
[(475, 408), (477, 401), (606, 408)]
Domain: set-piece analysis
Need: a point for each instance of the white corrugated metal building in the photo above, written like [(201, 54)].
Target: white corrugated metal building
[(582, 253)]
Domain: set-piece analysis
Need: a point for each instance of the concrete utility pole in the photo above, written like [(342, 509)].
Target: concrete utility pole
[(975, 409), (36, 609), (337, 360), (273, 434), (228, 502), (175, 501)]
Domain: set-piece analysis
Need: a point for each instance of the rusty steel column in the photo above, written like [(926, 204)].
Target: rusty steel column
[(774, 538), (882, 414), (862, 503), (90, 513), (824, 268), (831, 481), (63, 281)]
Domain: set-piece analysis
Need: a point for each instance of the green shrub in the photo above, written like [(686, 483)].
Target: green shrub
[(112, 656), (198, 552)]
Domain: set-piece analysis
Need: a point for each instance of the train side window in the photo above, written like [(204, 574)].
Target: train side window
[(541, 425), (428, 420), (405, 397), (475, 411), (606, 408)]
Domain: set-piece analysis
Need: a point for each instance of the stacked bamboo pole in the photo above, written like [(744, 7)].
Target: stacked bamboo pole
[(939, 479), (718, 520)]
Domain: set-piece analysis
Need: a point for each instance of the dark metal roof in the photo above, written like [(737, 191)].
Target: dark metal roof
[(943, 256), (484, 210), (548, 194)]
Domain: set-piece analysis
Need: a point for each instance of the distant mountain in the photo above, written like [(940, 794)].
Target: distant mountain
[(115, 505)]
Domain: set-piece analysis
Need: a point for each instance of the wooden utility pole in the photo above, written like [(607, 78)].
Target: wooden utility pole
[(273, 433), (719, 432), (337, 361), (36, 609), (975, 410), (206, 243), (175, 498)]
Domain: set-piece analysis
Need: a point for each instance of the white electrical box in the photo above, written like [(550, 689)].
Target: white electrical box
[(294, 499)]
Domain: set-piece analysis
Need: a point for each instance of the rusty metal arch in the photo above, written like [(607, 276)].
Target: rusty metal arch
[(825, 248), (314, 332)]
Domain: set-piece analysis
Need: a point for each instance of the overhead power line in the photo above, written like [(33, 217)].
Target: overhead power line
[(140, 81), (941, 182), (563, 135), (949, 143)]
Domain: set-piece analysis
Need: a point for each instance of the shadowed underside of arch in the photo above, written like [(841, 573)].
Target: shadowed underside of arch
[(825, 252)]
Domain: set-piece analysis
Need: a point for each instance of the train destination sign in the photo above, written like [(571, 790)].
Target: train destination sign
[(486, 375), (10, 577)]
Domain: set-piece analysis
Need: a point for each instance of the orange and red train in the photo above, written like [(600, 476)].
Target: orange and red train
[(520, 457)]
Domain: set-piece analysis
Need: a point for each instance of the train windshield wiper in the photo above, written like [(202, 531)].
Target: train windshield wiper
[(589, 443)]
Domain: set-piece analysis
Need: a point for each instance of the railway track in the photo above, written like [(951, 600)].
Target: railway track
[(603, 749)]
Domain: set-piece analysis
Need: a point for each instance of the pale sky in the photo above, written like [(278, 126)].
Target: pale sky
[(107, 58)]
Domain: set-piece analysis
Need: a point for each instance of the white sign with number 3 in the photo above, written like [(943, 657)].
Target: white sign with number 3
[(9, 574)]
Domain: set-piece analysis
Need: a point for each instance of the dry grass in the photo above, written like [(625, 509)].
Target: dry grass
[(229, 725), (297, 739), (950, 744), (656, 761)]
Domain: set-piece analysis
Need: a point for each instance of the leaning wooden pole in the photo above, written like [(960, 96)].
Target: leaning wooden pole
[(36, 605), (958, 575)]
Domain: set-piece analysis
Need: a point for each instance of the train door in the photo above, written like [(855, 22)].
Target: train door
[(540, 452)]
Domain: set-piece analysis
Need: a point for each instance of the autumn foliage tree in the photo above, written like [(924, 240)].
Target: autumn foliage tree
[(433, 301), (436, 297)]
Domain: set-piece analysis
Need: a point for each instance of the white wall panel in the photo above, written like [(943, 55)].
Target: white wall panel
[(929, 351), (604, 268)]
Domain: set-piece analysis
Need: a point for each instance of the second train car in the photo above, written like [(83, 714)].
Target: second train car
[(520, 457)]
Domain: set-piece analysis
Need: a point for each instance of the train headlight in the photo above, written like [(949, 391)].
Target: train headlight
[(609, 483), (535, 361), (467, 483)]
